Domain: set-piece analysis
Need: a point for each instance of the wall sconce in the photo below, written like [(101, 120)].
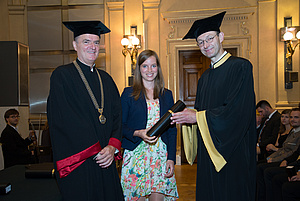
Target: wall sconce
[(289, 34), (130, 47), (131, 44)]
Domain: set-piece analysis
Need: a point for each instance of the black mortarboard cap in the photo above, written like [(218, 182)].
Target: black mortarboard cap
[(201, 26), (86, 27)]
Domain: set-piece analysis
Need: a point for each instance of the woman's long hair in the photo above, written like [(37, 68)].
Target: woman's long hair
[(282, 127), (138, 86)]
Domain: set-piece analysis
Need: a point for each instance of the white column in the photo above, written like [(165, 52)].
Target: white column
[(114, 20), (151, 24), (17, 12)]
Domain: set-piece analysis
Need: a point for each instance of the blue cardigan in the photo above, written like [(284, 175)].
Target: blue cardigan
[(134, 117)]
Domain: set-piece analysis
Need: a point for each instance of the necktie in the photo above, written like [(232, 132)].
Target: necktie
[(259, 136)]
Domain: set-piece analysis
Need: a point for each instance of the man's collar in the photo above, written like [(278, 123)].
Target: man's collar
[(272, 114), (90, 67), (296, 129), (221, 60), (13, 127)]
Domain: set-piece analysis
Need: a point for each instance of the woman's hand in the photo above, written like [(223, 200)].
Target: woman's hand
[(143, 134), (169, 168)]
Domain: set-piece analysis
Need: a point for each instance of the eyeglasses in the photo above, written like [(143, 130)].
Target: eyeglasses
[(14, 116), (208, 40)]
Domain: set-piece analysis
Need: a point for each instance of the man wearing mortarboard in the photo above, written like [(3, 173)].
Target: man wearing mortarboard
[(225, 116), (84, 115)]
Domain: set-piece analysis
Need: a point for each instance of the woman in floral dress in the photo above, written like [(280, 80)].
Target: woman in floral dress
[(148, 162)]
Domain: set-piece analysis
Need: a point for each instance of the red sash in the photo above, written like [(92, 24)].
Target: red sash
[(67, 165)]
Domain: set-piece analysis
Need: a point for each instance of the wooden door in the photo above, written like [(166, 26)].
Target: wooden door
[(192, 63)]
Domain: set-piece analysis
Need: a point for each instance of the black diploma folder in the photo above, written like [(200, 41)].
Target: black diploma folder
[(40, 170), (165, 120)]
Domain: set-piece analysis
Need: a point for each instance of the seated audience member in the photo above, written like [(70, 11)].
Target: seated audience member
[(14, 147), (270, 127), (284, 130), (290, 145), (289, 187), (275, 176), (292, 141)]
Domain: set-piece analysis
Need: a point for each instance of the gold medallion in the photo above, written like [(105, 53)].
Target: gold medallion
[(102, 119)]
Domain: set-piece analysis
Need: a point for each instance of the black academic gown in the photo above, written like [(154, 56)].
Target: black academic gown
[(227, 95), (74, 126)]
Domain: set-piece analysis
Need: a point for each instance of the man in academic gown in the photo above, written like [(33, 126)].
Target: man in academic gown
[(84, 115), (225, 115)]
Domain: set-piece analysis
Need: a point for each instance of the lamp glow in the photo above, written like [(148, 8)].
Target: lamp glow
[(125, 42), (135, 41), (298, 35), (288, 36)]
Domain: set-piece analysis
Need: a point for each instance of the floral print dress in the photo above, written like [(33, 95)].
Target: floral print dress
[(144, 168)]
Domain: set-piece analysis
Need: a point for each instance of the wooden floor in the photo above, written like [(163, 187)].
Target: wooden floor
[(186, 181)]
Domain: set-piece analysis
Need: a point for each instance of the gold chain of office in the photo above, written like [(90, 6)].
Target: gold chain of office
[(102, 118)]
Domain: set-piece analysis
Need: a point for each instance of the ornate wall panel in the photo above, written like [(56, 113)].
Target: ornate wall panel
[(51, 43), (234, 26)]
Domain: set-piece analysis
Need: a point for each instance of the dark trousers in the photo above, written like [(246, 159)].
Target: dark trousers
[(260, 181), (269, 174), (291, 191), (285, 190)]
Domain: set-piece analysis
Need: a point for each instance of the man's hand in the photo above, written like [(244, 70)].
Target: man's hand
[(186, 116), (283, 163), (269, 160), (169, 169), (257, 150), (271, 147), (296, 177), (106, 156)]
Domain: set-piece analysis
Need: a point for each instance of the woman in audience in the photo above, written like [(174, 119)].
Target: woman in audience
[(284, 130), (148, 162)]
